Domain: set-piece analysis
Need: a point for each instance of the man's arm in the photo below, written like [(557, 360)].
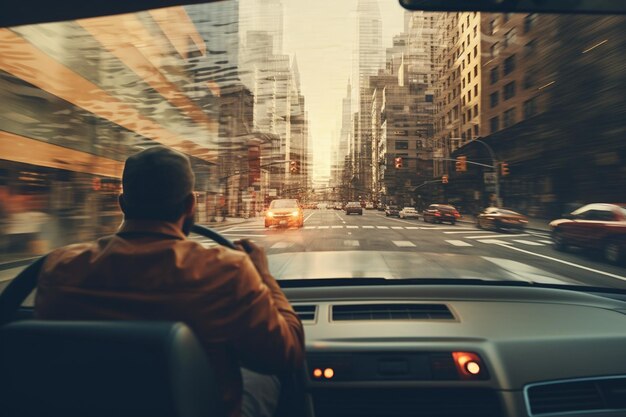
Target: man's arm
[(273, 337)]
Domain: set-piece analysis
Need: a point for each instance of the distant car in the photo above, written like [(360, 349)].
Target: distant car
[(338, 206), (392, 211), (439, 213), (594, 226), (369, 206), (354, 207), (496, 218), (284, 212), (409, 213)]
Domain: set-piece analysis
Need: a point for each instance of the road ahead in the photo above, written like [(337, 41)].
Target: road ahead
[(333, 230), (398, 244)]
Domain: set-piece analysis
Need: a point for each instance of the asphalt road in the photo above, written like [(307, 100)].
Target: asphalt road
[(332, 244), (333, 231)]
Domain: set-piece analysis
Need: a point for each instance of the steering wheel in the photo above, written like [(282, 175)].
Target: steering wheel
[(26, 281)]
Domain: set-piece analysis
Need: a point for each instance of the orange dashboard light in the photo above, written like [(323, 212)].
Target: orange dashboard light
[(467, 363), (317, 373), (472, 367), (329, 373)]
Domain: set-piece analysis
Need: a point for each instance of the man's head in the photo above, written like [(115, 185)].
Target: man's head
[(158, 185)]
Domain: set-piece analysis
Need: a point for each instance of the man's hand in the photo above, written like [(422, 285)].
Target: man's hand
[(257, 255)]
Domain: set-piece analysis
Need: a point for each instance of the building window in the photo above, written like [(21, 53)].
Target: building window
[(476, 110), (494, 50), (402, 145), (529, 80), (529, 22), (469, 95), (475, 70), (494, 124), (509, 64), (469, 133), (493, 26), (476, 90), (509, 90), (494, 75), (530, 108), (475, 31), (530, 48), (509, 117), (494, 99), (475, 51), (429, 98), (509, 38), (469, 77), (476, 130)]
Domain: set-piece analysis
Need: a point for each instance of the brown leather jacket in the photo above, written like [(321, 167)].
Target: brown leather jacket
[(150, 271)]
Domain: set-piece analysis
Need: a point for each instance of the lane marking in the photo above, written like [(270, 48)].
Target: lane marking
[(397, 227), (323, 227), (243, 235), (342, 220), (310, 227), (528, 242), (367, 227), (352, 227), (395, 220), (309, 216), (281, 245), (403, 243), (352, 243), (586, 268), (465, 231), (547, 242), (412, 227), (459, 243), (337, 227), (497, 234), (493, 242), (382, 227)]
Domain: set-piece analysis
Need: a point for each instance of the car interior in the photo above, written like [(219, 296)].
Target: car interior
[(374, 347)]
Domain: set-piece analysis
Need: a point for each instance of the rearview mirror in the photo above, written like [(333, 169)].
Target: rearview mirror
[(525, 6)]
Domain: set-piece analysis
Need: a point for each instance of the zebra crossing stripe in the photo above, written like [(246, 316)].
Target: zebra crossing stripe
[(458, 243), (403, 243), (528, 242), (547, 242)]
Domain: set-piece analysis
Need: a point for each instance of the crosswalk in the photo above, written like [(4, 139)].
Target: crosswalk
[(457, 236)]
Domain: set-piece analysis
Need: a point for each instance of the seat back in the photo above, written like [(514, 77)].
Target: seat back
[(104, 369)]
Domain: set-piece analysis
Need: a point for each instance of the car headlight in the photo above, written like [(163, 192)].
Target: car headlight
[(295, 213), (270, 214)]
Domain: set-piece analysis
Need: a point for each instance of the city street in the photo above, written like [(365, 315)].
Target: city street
[(333, 231), (372, 245)]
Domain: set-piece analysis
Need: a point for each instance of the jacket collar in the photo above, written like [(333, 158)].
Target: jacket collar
[(150, 227)]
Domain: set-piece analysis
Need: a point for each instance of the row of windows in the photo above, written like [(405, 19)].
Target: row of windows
[(509, 117), (530, 21)]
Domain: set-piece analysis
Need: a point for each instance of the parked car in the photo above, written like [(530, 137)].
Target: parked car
[(597, 226), (284, 212), (439, 213), (392, 211), (369, 206), (496, 218), (354, 207), (409, 213)]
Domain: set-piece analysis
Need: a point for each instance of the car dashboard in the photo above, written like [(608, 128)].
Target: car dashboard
[(462, 350)]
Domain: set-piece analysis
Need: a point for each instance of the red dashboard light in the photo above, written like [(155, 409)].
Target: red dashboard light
[(468, 364)]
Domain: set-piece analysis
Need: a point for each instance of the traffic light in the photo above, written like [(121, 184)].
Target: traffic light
[(398, 162), (293, 167), (461, 164), (504, 169), (444, 179)]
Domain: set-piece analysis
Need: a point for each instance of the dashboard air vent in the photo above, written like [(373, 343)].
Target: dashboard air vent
[(306, 311), (392, 312), (579, 395)]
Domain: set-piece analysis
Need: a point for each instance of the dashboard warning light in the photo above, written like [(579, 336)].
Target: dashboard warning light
[(472, 367), (317, 373), (329, 373), (468, 365)]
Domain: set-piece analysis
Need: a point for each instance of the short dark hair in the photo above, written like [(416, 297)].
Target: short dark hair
[(165, 213)]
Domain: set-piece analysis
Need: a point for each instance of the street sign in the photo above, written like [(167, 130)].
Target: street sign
[(490, 178)]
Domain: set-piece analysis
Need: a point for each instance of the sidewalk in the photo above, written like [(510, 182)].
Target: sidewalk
[(533, 223)]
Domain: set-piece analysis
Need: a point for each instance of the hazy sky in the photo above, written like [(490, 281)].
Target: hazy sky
[(321, 35)]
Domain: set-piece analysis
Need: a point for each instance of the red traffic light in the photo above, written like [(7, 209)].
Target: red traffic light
[(398, 162)]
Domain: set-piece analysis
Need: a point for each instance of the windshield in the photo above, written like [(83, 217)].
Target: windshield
[(328, 104), (277, 204)]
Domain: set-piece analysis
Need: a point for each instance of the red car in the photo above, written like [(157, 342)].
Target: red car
[(598, 226), (439, 213)]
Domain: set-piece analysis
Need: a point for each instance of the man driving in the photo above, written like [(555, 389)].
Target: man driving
[(149, 270)]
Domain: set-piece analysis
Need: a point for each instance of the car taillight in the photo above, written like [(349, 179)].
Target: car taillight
[(456, 214), (437, 214)]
